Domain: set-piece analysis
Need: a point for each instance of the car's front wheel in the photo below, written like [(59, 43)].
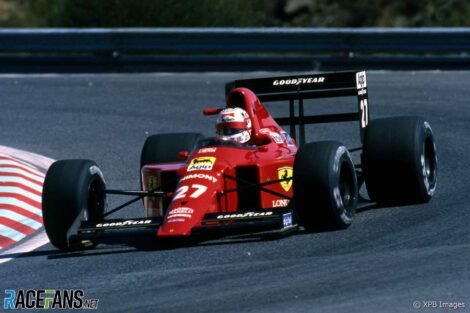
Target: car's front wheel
[(71, 188), (325, 186)]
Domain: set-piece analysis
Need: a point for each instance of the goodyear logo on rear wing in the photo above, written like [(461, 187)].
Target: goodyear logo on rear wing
[(299, 81), (203, 163)]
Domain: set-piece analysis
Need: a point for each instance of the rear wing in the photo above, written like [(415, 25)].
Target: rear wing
[(311, 86)]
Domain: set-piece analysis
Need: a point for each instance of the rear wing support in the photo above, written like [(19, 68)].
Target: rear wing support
[(311, 86)]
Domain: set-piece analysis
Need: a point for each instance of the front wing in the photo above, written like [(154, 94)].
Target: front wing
[(213, 225)]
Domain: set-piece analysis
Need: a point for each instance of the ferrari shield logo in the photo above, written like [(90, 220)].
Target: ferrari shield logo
[(283, 173), (152, 182)]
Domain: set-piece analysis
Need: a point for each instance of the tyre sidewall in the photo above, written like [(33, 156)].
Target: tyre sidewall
[(426, 187), (319, 205), (65, 197), (344, 215), (394, 161)]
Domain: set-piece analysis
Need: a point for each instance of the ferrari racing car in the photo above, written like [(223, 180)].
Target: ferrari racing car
[(253, 176)]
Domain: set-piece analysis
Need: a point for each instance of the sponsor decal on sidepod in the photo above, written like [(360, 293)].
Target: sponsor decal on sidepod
[(280, 203), (202, 163), (287, 220), (202, 176)]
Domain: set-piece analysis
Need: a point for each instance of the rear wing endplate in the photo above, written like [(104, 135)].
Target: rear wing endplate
[(311, 86)]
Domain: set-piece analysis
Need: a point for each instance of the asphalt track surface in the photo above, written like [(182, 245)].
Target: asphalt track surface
[(388, 258)]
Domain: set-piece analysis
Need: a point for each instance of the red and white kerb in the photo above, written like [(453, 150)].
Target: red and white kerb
[(20, 200)]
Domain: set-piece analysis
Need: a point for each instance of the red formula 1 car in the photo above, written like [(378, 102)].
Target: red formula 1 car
[(195, 187)]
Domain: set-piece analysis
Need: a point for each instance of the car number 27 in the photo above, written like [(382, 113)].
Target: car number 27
[(196, 191)]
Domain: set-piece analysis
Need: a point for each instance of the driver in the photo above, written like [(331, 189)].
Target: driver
[(234, 124)]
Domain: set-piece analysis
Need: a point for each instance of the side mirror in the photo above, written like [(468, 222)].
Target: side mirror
[(183, 155), (211, 111)]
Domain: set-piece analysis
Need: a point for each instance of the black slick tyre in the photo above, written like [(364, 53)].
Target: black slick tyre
[(400, 161), (325, 186), (71, 186), (163, 148)]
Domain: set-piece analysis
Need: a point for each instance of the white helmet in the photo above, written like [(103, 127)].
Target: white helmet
[(234, 124)]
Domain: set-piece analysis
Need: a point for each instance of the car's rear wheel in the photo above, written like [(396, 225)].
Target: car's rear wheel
[(163, 148), (400, 161), (325, 186), (71, 188)]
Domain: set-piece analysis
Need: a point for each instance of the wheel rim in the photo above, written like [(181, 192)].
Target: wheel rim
[(430, 163), (96, 199), (347, 187)]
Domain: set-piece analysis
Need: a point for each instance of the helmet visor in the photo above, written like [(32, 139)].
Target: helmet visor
[(229, 131)]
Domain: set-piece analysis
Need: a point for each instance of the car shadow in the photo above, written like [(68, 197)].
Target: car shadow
[(58, 254), (367, 207), (29, 254), (93, 252)]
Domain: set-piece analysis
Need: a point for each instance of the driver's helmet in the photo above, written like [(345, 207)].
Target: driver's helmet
[(234, 124)]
